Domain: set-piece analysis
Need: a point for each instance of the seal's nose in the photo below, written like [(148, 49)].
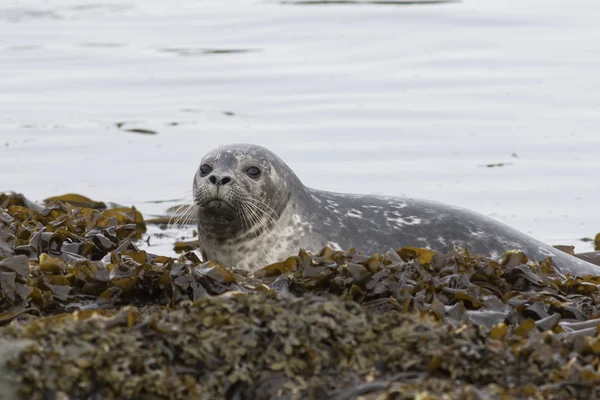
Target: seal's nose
[(219, 181)]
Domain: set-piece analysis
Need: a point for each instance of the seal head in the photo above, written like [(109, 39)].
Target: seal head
[(241, 192)]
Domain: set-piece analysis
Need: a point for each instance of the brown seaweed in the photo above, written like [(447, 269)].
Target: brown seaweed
[(90, 315)]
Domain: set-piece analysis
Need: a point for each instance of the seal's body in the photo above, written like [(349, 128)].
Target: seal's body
[(252, 210)]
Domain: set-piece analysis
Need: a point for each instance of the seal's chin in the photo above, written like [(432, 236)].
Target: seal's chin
[(218, 217)]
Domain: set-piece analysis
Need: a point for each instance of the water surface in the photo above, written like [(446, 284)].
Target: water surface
[(367, 98)]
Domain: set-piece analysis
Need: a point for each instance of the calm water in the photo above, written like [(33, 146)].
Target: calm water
[(365, 98)]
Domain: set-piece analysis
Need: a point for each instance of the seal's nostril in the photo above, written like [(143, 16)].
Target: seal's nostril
[(216, 180)]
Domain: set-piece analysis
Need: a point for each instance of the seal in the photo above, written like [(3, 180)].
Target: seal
[(252, 210)]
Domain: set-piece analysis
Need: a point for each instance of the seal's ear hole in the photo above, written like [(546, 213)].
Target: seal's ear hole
[(253, 172)]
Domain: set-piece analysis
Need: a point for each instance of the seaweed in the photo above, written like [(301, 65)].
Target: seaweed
[(84, 313)]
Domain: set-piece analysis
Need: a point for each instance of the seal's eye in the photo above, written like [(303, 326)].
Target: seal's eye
[(205, 169), (253, 172)]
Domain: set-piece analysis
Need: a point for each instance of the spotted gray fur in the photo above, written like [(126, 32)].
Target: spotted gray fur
[(289, 216)]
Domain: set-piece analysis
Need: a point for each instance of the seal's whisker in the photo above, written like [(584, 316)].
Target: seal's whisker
[(190, 213), (243, 217), (252, 218), (179, 220), (262, 203), (175, 218), (247, 216), (262, 246), (257, 209), (184, 201), (239, 213), (183, 212), (251, 221), (179, 213), (179, 208), (253, 215), (264, 212), (258, 223)]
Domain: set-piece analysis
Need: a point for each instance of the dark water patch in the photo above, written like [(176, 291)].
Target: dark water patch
[(595, 240), (160, 201), (142, 131), (494, 165), (229, 51), (180, 123), (190, 52), (343, 2)]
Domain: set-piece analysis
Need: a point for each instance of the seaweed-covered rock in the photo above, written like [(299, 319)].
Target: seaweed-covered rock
[(92, 316), (262, 346)]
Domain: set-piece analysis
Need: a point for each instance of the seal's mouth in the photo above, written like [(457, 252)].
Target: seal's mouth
[(218, 214), (215, 203)]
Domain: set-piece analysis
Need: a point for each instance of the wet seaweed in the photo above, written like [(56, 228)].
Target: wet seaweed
[(84, 313)]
